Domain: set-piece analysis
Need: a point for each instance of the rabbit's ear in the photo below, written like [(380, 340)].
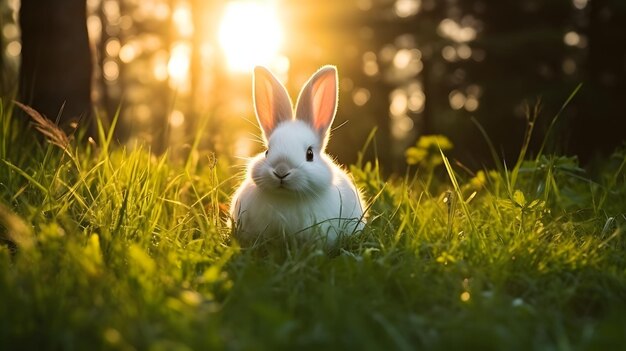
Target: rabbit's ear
[(271, 101), (317, 102)]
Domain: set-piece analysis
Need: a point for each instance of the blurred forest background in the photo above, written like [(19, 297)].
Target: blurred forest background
[(176, 68)]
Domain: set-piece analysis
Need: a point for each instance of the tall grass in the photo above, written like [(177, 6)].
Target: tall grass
[(111, 248)]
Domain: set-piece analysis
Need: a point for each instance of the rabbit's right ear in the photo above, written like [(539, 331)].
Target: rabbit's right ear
[(271, 101), (317, 103)]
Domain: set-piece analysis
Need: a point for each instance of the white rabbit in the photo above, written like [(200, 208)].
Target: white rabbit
[(295, 188)]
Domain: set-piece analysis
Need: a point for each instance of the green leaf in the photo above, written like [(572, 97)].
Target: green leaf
[(519, 198)]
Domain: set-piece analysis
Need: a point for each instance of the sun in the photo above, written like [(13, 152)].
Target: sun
[(250, 34)]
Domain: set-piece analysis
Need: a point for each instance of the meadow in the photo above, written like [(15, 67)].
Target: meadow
[(104, 247)]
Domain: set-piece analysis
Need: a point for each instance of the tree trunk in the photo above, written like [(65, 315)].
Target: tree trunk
[(55, 75), (600, 125)]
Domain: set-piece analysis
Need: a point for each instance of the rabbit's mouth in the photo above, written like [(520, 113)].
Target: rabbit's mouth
[(285, 187), (282, 175), (283, 184)]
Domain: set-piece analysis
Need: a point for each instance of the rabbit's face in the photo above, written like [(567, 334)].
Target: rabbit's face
[(293, 163)]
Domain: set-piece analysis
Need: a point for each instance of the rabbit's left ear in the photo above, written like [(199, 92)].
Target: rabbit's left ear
[(271, 101), (317, 103)]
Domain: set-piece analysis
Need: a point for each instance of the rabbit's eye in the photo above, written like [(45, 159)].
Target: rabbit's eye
[(309, 154)]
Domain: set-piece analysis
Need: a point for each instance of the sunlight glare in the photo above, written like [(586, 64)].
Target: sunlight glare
[(250, 34)]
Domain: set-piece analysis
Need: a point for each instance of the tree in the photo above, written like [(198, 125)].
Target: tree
[(600, 124), (55, 75)]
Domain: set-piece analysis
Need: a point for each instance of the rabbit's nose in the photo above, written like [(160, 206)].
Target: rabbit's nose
[(281, 171)]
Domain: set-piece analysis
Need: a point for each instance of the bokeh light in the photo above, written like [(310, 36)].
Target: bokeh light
[(177, 118), (406, 8), (183, 20), (360, 96), (571, 38), (465, 296), (111, 70), (580, 4), (178, 66), (14, 48)]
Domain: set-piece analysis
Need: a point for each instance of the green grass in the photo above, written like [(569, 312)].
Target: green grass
[(109, 248)]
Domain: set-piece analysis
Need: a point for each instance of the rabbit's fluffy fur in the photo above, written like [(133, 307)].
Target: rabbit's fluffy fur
[(295, 189)]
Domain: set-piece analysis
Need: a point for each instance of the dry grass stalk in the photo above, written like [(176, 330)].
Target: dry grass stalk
[(49, 129), (15, 229)]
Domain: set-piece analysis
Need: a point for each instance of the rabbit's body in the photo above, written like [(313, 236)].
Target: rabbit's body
[(330, 210), (295, 189)]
